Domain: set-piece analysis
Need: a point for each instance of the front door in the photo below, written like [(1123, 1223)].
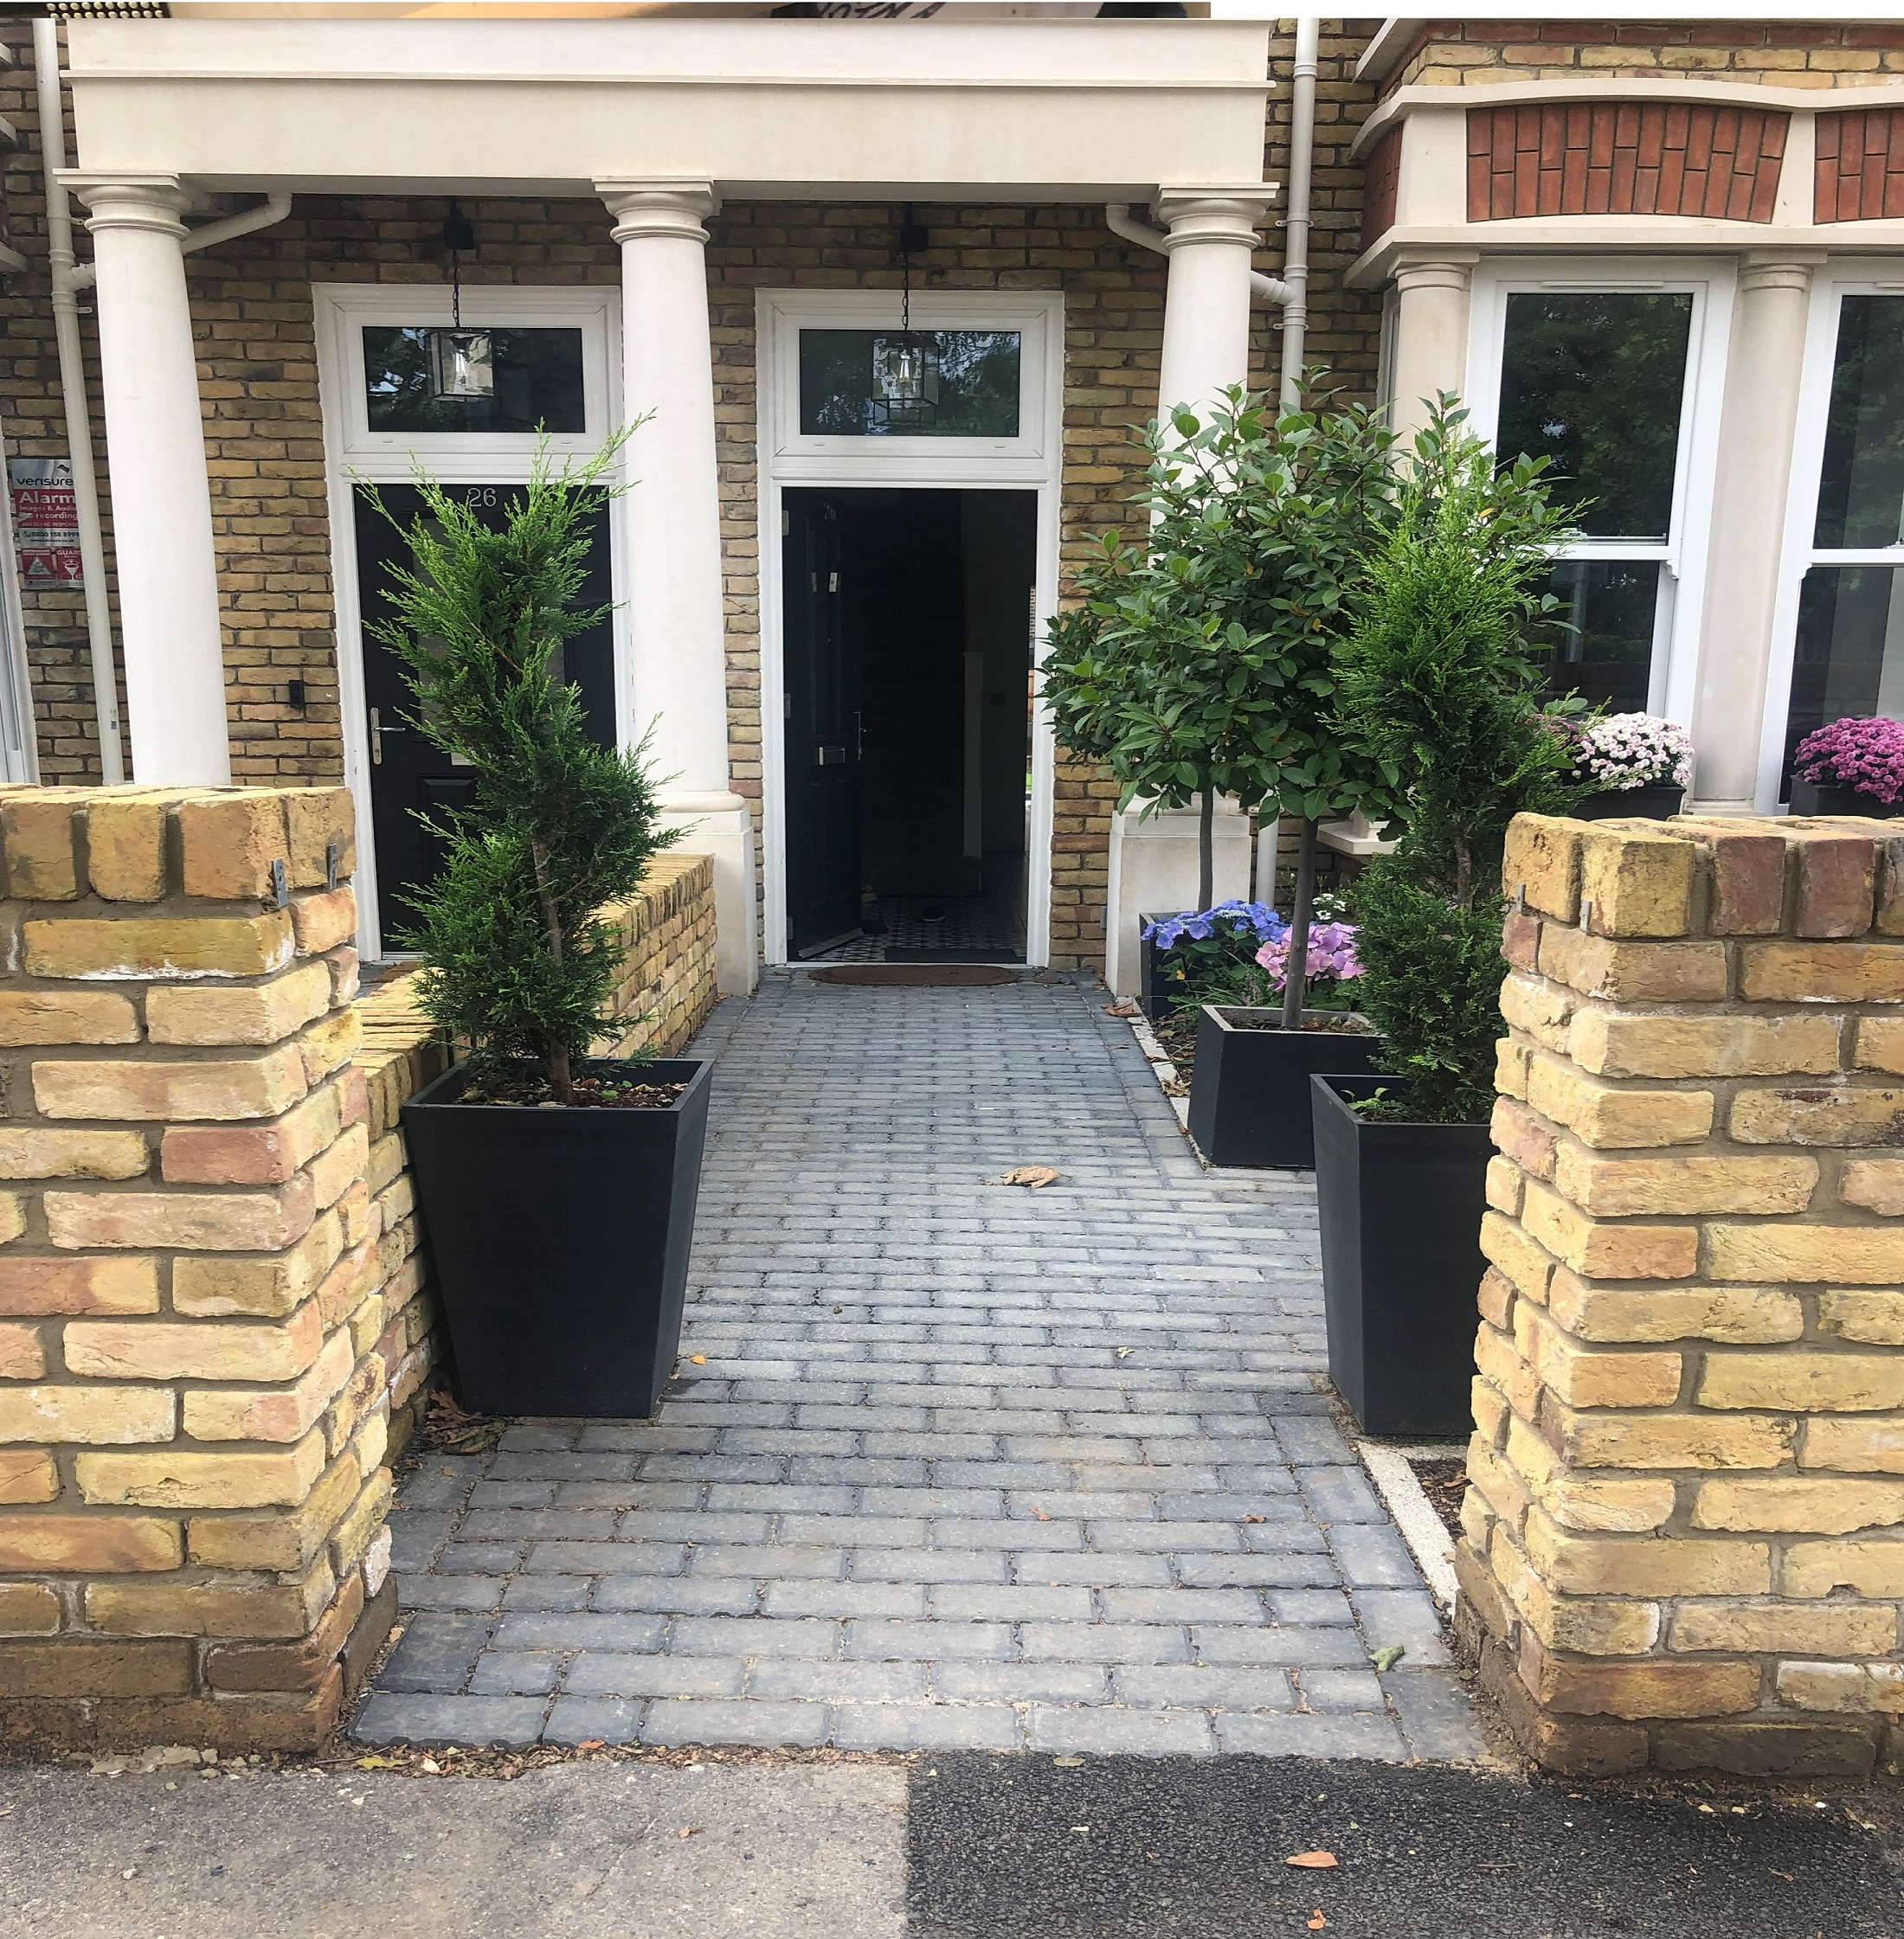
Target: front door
[(823, 733), (409, 775)]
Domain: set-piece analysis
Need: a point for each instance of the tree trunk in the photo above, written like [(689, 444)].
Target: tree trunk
[(1295, 964), (561, 1078), (1207, 850)]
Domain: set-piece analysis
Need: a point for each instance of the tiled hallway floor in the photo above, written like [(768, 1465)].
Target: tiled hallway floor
[(951, 1462)]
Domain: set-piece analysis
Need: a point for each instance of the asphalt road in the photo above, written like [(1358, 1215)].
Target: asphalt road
[(1172, 1849)]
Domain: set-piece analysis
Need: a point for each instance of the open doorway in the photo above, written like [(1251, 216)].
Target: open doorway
[(908, 649)]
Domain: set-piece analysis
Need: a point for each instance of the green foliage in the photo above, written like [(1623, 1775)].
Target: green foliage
[(516, 961), (1199, 662), (1439, 680)]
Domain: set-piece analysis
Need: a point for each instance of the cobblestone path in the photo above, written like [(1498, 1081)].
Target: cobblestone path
[(966, 1464)]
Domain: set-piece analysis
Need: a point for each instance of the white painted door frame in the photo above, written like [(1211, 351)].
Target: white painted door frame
[(354, 455), (1033, 461)]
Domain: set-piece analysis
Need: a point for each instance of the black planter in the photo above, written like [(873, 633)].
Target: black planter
[(1401, 1207), (1613, 804), (1160, 988), (1250, 1090), (1816, 797), (561, 1241)]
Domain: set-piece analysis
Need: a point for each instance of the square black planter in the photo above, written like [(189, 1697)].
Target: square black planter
[(561, 1241), (1160, 988), (1400, 1208), (1614, 804), (1250, 1090), (1821, 798)]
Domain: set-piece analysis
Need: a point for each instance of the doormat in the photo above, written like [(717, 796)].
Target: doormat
[(1000, 957), (916, 976)]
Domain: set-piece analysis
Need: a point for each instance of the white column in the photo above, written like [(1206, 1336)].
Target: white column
[(1758, 424), (171, 641), (673, 548), (1431, 340), (1209, 234)]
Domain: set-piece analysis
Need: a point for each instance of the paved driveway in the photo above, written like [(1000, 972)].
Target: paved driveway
[(952, 1462)]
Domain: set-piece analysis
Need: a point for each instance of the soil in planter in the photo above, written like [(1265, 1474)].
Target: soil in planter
[(601, 1088), (1336, 1022), (1445, 1484)]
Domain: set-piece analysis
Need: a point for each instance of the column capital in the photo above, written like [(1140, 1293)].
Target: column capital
[(1227, 215), (1779, 269), (660, 206), (129, 202), (1443, 269)]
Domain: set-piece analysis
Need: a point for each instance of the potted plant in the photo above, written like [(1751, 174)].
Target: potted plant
[(558, 1189), (1854, 766), (1441, 678), (1632, 764), (1250, 1089), (1184, 958)]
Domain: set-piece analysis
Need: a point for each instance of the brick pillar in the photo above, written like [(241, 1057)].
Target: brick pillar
[(1685, 1534), (193, 1405)]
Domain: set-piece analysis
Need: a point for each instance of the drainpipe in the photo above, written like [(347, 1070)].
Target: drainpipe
[(1295, 244), (68, 279), (1290, 294), (73, 394)]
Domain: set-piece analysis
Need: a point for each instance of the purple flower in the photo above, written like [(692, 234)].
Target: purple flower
[(1867, 754), (1332, 957)]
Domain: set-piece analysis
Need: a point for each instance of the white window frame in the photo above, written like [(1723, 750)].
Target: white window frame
[(354, 455), (1711, 283), (1032, 461), (1861, 277)]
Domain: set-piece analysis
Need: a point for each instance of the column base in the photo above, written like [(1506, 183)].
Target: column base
[(1154, 867), (720, 826)]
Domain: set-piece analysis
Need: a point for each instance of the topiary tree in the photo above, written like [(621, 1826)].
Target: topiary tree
[(1439, 681), (518, 962), (1200, 660)]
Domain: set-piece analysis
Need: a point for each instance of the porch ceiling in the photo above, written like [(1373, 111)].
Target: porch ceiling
[(1060, 109)]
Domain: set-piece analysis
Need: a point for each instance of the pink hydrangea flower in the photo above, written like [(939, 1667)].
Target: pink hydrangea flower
[(1332, 957)]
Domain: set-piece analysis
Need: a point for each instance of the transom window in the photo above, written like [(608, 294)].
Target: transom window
[(925, 383), (1607, 376), (535, 382), (1848, 653)]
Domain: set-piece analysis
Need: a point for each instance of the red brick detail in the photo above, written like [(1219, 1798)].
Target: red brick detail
[(1860, 173), (1382, 183), (1624, 158)]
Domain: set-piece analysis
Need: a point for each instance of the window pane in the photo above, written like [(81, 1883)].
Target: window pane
[(1603, 651), (1861, 494), (1849, 657), (1596, 382), (538, 383), (860, 383)]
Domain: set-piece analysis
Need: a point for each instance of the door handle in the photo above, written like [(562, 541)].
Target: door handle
[(829, 756), (378, 731)]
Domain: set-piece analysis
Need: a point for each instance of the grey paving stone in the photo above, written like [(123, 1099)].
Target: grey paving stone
[(929, 1566), (1294, 1570), (1199, 1687), (1407, 1616), (1343, 1495), (1373, 1558), (869, 1641), (1022, 1683), (1096, 1571), (425, 1591), (1181, 1605), (753, 1636), (1103, 1642), (437, 1652), (1277, 1647), (441, 1482), (926, 1727), (547, 1592), (394, 1717), (604, 1673), (839, 1682), (1110, 1731), (1340, 1689), (715, 1721), (584, 1630), (775, 1560), (1438, 1715), (847, 1599), (587, 1719), (678, 1594), (1265, 1735), (1012, 1602), (480, 1558), (416, 1535), (1300, 1606)]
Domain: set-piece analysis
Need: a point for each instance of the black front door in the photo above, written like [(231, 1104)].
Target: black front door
[(409, 774), (823, 751)]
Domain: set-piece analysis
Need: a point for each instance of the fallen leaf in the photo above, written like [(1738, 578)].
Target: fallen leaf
[(593, 1743), (1776, 1873), (1316, 1922), (688, 1831), (1313, 1861), (697, 1359), (1036, 1176), (1254, 1518), (1123, 1352), (376, 1763), (1037, 1512), (1386, 1656), (1125, 1009), (1067, 1764)]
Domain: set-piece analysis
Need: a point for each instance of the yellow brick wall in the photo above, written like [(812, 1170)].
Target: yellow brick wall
[(1817, 53), (1683, 1535)]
